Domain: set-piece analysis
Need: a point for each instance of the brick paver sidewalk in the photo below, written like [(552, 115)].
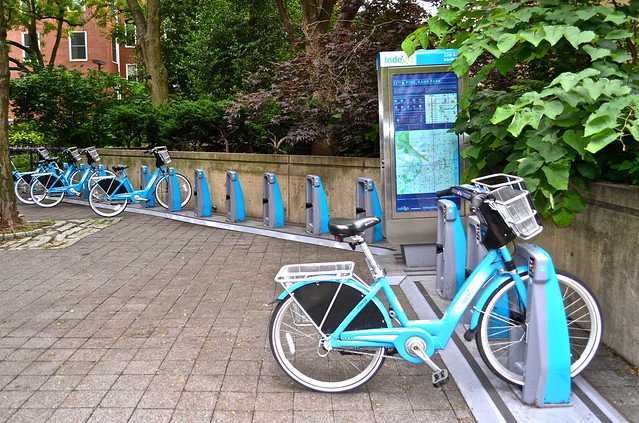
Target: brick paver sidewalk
[(153, 320)]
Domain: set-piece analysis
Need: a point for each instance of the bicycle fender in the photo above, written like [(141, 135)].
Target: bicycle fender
[(487, 291), (347, 282)]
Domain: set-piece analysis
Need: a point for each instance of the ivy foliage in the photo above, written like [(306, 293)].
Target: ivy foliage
[(554, 92)]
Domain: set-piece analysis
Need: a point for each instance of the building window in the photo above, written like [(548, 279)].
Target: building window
[(26, 42), (132, 72), (114, 51), (78, 45), (129, 34)]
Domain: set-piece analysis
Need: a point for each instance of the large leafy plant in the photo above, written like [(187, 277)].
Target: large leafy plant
[(554, 91)]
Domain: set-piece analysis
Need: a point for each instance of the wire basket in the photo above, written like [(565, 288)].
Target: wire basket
[(92, 154), (43, 153), (75, 155), (293, 273), (513, 203), (163, 155)]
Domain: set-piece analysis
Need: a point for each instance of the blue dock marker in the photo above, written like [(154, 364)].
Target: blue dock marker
[(201, 195), (273, 206), (174, 200), (234, 198)]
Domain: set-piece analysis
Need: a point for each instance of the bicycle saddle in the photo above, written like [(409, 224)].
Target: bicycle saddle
[(118, 168), (343, 227)]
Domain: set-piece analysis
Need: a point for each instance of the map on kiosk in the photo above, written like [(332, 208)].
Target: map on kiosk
[(425, 107)]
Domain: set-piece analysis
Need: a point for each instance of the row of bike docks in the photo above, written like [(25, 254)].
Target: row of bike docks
[(545, 356)]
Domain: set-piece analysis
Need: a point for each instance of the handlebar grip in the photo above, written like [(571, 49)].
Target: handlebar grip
[(444, 193)]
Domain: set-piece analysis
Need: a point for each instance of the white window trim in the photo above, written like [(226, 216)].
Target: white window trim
[(135, 70), (115, 47), (86, 47), (25, 36)]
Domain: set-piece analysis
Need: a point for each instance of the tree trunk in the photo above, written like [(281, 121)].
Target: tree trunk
[(148, 44), (8, 211)]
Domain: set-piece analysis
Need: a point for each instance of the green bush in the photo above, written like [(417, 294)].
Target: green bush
[(554, 94)]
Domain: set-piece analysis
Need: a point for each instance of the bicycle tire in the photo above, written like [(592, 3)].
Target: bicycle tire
[(162, 190), (40, 190), (498, 337), (22, 190), (296, 341), (100, 198)]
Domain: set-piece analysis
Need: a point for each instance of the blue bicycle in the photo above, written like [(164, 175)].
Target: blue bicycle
[(48, 189), (110, 196), (22, 180), (330, 332)]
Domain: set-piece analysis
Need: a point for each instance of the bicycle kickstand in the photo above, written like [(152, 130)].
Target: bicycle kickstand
[(417, 348)]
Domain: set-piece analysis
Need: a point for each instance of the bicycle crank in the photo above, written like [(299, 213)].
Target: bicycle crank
[(417, 348)]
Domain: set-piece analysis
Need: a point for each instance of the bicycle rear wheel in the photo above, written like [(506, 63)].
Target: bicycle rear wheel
[(162, 190), (501, 333), (100, 199), (296, 341), (46, 190), (22, 189)]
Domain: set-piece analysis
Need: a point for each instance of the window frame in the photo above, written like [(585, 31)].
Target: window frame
[(86, 47)]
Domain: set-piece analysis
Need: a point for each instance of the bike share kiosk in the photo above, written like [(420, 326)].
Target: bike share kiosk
[(418, 105), (273, 206)]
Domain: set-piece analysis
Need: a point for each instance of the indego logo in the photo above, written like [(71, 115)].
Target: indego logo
[(400, 60)]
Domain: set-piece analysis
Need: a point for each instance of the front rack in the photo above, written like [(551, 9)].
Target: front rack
[(513, 203), (162, 155), (92, 154), (75, 155)]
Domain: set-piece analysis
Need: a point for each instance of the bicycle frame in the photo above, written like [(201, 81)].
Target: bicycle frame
[(487, 277), (136, 196)]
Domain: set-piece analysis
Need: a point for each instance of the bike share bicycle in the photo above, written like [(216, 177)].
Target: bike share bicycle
[(110, 196), (22, 180), (48, 189), (330, 332)]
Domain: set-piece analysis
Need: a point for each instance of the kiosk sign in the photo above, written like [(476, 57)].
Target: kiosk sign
[(419, 103)]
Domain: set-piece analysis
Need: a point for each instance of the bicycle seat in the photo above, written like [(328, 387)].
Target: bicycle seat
[(343, 227), (118, 168)]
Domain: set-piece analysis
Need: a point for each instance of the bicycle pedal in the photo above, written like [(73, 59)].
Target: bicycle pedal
[(440, 378)]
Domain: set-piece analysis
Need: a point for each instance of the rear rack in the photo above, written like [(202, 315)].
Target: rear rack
[(293, 273)]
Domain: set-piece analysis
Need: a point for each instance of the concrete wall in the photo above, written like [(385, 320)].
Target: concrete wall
[(600, 247), (338, 174)]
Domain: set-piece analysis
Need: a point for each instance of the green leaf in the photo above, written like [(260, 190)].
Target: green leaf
[(589, 170), (599, 122), (533, 36), (595, 89), (554, 33), (551, 152), (577, 142), (506, 42), (586, 13), (460, 66), (574, 202), (520, 120), (576, 37), (563, 218), (530, 164), (596, 53), (634, 131), (601, 139), (503, 113), (619, 34), (505, 64), (408, 47), (553, 108), (557, 175), (616, 17)]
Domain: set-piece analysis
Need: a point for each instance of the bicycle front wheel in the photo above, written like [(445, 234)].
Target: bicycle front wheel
[(22, 189), (46, 190), (162, 190), (502, 330), (100, 199), (297, 343)]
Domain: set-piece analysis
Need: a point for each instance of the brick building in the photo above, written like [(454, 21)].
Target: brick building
[(86, 47)]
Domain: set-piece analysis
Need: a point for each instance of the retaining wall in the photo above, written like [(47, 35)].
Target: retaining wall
[(601, 247), (339, 177)]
